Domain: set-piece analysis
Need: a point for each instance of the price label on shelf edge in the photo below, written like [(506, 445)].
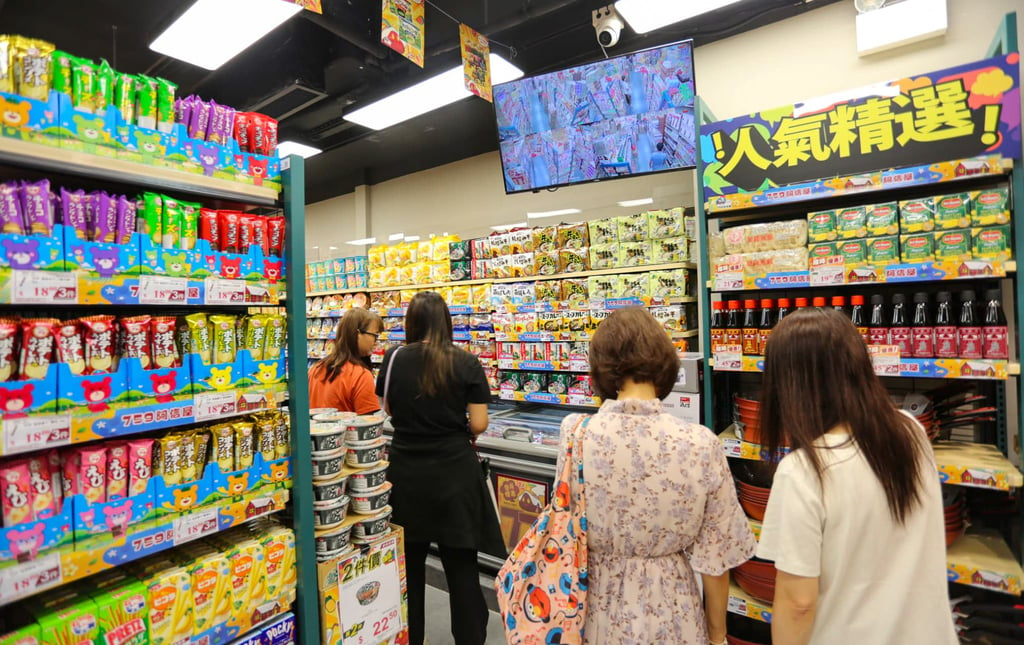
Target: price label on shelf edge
[(44, 287), (196, 525), (729, 358), (737, 605), (885, 359), (35, 575), (828, 271), (729, 281), (220, 291), (213, 405), (34, 433), (162, 290)]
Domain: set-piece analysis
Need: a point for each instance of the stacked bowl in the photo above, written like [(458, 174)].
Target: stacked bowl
[(757, 578), (747, 416)]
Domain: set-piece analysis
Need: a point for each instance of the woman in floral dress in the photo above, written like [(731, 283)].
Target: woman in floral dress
[(661, 503)]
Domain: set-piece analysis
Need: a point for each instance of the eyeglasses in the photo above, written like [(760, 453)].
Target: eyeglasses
[(370, 333)]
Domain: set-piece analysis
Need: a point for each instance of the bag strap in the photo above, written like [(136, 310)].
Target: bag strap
[(577, 462), (387, 380), (572, 464)]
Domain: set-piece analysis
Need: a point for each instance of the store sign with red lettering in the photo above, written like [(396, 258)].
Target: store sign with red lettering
[(968, 111)]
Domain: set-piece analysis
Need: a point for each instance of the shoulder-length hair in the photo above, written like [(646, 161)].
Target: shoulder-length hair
[(346, 345), (818, 376), (429, 322), (630, 343)]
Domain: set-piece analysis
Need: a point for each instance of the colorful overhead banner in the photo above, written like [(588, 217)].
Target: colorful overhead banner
[(957, 113), (401, 28), (476, 61), (309, 5)]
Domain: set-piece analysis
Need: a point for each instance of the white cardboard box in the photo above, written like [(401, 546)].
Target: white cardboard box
[(691, 372), (684, 405)]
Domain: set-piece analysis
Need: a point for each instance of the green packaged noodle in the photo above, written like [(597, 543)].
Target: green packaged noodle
[(146, 101), (535, 382), (602, 287), (990, 207), (854, 252), (511, 381), (151, 218), (952, 211), (991, 243), (572, 236), (670, 250), (633, 285), (603, 231), (83, 85), (165, 91), (917, 215), (851, 223), (665, 223), (883, 251), (62, 72), (104, 86), (821, 226), (954, 245), (604, 256), (634, 254), (883, 219), (634, 228)]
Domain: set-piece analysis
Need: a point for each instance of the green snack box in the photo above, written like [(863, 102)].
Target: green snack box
[(62, 62), (883, 251), (883, 219), (75, 621), (821, 226), (851, 223), (28, 634), (953, 245), (917, 247), (823, 250), (953, 211), (123, 613), (990, 207), (854, 252), (603, 231), (917, 215), (991, 243)]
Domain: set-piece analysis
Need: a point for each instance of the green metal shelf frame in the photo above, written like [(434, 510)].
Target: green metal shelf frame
[(307, 603)]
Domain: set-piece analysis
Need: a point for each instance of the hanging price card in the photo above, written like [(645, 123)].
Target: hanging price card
[(224, 292), (213, 405), (886, 359), (195, 525), (729, 358), (162, 290), (729, 277), (369, 588), (26, 579), (34, 433), (828, 271), (44, 287)]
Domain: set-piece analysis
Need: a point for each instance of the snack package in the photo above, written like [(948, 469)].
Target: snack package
[(670, 318), (521, 241), (882, 251), (578, 322), (83, 85), (170, 459), (104, 86), (547, 291), (165, 91), (669, 284), (521, 265), (666, 223), (990, 207), (201, 335), (854, 252), (38, 346), (952, 211), (604, 256), (918, 247), (37, 207), (140, 465), (545, 263), (209, 227), (633, 228), (151, 218), (634, 285), (573, 236), (851, 223), (917, 215), (224, 339), (634, 254), (992, 243), (574, 260), (549, 322), (170, 606), (147, 95), (228, 230), (69, 468), (523, 293), (545, 239), (103, 219), (670, 250), (45, 500), (276, 332), (821, 226), (953, 245), (882, 219), (127, 215), (222, 442), (276, 234), (10, 209), (164, 348), (92, 473), (501, 267), (30, 63), (602, 287), (70, 350), (525, 323), (261, 234), (117, 470), (245, 445), (8, 353), (100, 353), (256, 335), (189, 231), (595, 318), (124, 96), (575, 292)]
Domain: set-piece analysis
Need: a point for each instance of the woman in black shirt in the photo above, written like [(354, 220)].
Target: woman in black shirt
[(437, 494)]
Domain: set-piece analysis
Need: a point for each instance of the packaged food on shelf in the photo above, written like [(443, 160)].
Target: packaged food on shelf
[(521, 265), (634, 228), (882, 219), (952, 211), (716, 247), (670, 250), (575, 292), (545, 239), (27, 65), (547, 291), (574, 259), (851, 223), (990, 207), (991, 243), (669, 317), (573, 236), (917, 215), (917, 247), (633, 285), (523, 293), (534, 382), (666, 223), (601, 287), (757, 264), (822, 250), (673, 283), (953, 244), (545, 263), (578, 321), (501, 266), (753, 238), (603, 232), (634, 254), (882, 251), (604, 256), (521, 241)]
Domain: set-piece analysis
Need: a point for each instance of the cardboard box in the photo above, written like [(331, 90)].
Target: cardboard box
[(691, 373), (685, 406)]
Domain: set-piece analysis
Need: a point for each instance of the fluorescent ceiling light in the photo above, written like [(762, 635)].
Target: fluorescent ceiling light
[(427, 96), (412, 238), (333, 248), (564, 211), (212, 32), (362, 242), (286, 148), (396, 236), (629, 203), (647, 15), (316, 247), (508, 226)]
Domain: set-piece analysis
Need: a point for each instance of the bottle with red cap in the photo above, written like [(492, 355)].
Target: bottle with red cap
[(783, 310), (750, 328), (717, 323), (734, 323), (858, 317), (819, 302), (839, 304), (767, 324), (801, 303)]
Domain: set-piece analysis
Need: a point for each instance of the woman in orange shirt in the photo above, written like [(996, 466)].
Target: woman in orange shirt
[(343, 380)]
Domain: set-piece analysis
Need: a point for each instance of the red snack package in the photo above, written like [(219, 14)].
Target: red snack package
[(261, 234), (209, 227), (69, 346), (276, 226), (242, 132), (44, 504), (16, 497), (38, 346), (246, 232), (69, 464), (92, 473), (135, 341), (165, 350), (229, 225), (99, 344), (269, 148), (117, 470), (140, 465), (56, 480), (8, 355), (257, 133)]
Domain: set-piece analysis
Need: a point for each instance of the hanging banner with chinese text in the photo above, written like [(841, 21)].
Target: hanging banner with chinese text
[(309, 5), (967, 111), (476, 61), (401, 28)]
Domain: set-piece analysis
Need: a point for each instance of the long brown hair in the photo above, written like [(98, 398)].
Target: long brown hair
[(346, 345), (429, 323), (818, 376)]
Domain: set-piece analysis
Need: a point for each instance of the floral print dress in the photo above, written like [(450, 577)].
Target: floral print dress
[(661, 508)]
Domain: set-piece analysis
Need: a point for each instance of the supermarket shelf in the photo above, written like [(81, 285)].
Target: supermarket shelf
[(544, 366), (742, 603), (272, 629), (839, 276), (983, 560), (976, 465), (578, 400), (530, 278), (55, 569), (63, 161), (938, 368)]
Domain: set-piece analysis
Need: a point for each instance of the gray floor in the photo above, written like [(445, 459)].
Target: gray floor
[(438, 627)]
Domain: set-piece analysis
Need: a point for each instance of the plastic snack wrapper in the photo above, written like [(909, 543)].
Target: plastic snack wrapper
[(170, 223), (276, 232), (31, 67), (8, 345), (228, 222), (188, 457), (151, 218), (6, 68), (146, 110), (38, 345), (223, 447), (45, 500), (103, 86), (261, 234), (36, 207), (70, 349), (201, 335), (171, 459), (16, 497), (224, 339), (140, 465), (256, 335), (11, 220), (92, 473), (69, 461), (245, 445), (117, 470), (124, 96), (99, 335), (165, 105), (275, 341), (209, 227), (164, 348), (135, 339), (573, 236)]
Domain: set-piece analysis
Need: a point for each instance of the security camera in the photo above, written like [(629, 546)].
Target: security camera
[(608, 25)]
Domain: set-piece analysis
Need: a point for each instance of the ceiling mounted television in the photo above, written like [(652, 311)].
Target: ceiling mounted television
[(620, 117)]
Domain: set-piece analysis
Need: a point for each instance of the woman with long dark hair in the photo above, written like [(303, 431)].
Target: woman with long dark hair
[(855, 520), (343, 380), (437, 396)]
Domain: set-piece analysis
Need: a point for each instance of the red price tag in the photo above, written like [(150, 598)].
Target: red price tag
[(44, 287), (885, 359)]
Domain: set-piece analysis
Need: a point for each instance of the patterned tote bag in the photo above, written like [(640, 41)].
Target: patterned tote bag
[(542, 587)]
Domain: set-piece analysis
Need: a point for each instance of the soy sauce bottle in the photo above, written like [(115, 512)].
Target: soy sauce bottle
[(733, 324), (945, 327), (922, 332), (996, 340), (750, 328), (899, 331), (968, 333), (717, 323), (839, 304), (878, 327), (767, 323), (783, 310), (801, 303), (819, 302), (858, 316)]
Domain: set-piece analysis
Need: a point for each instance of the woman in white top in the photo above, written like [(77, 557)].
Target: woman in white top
[(855, 519)]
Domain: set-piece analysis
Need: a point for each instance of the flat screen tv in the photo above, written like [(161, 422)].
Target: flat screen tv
[(619, 117)]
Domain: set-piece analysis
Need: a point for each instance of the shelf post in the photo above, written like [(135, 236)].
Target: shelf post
[(307, 610), (704, 271)]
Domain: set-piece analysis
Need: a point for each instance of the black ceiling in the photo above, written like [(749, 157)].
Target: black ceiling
[(338, 63)]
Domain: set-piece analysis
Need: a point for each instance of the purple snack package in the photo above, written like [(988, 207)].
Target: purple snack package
[(188, 105), (125, 219), (215, 128), (11, 220), (105, 225), (200, 120), (229, 124), (36, 207), (73, 207)]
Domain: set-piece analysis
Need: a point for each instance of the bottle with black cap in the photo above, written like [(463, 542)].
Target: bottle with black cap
[(968, 333), (922, 330), (899, 330), (945, 327), (996, 344), (878, 327)]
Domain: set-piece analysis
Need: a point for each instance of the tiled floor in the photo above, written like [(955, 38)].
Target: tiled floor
[(438, 628)]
